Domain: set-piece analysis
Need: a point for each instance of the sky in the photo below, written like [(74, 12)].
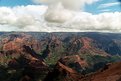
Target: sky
[(94, 8), (60, 15)]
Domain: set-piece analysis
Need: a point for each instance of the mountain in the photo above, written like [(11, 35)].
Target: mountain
[(111, 72), (63, 73), (19, 58), (52, 45), (110, 43), (82, 56), (84, 45), (76, 62), (93, 43)]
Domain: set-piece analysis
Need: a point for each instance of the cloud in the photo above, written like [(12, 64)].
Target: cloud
[(119, 1), (58, 14), (60, 11), (103, 21), (21, 16), (109, 5), (68, 4), (30, 18), (105, 10)]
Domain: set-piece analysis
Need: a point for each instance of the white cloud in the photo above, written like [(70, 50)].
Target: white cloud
[(68, 4), (58, 14), (109, 5), (20, 16), (105, 10), (30, 18), (60, 10)]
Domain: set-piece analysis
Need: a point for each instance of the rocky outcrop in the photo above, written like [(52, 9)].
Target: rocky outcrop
[(52, 44), (12, 46), (63, 73), (14, 42), (32, 64), (84, 45), (111, 72), (75, 62), (19, 52)]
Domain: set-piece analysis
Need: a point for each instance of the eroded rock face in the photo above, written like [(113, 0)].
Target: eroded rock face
[(75, 62), (32, 64), (52, 44), (19, 52), (84, 45), (111, 72), (12, 46), (67, 69), (63, 73), (14, 42)]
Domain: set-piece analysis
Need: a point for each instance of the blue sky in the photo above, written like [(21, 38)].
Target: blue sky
[(12, 3), (93, 8)]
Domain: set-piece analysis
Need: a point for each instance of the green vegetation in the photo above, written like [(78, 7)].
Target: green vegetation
[(1, 47), (97, 62), (54, 56), (93, 59), (7, 74)]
